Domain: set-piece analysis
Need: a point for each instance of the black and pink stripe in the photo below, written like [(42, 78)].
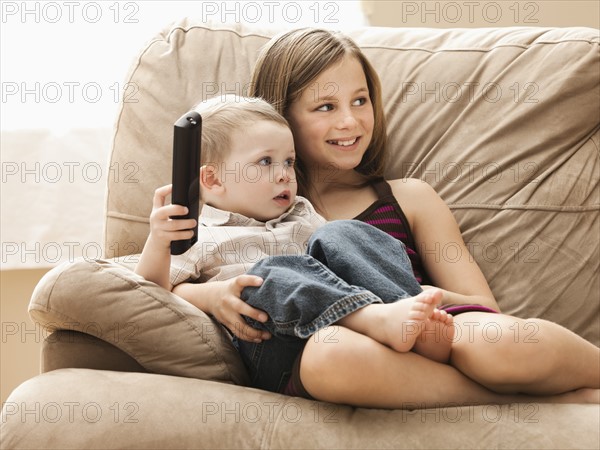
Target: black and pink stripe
[(387, 215)]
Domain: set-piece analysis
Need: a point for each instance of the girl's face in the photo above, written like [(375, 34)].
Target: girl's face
[(333, 119)]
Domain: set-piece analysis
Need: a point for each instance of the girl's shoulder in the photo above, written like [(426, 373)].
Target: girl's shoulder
[(411, 189), (414, 196)]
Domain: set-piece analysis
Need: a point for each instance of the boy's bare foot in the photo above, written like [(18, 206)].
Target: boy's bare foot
[(401, 324), (407, 319)]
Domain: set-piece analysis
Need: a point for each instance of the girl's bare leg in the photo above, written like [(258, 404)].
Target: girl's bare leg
[(533, 356), (435, 342), (342, 366)]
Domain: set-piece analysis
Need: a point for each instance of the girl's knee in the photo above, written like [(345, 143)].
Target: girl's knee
[(501, 350), (326, 358), (329, 350), (323, 347)]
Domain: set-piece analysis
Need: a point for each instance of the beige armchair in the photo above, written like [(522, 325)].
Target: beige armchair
[(503, 123)]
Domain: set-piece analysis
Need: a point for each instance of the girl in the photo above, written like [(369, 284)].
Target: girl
[(331, 96)]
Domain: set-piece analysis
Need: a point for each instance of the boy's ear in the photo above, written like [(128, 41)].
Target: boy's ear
[(209, 178)]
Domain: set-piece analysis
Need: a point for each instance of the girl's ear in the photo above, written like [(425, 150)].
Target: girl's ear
[(209, 179)]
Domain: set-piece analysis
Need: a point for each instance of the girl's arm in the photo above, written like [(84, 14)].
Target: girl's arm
[(434, 229)]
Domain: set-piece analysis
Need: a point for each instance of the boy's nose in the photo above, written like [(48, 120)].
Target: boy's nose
[(283, 175)]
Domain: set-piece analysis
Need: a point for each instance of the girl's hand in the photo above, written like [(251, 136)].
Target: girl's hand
[(163, 229), (228, 308)]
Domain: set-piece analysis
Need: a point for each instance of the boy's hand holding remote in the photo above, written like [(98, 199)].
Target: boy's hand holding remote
[(173, 227), (156, 256)]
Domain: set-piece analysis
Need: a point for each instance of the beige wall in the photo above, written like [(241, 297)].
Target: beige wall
[(483, 13), (21, 339)]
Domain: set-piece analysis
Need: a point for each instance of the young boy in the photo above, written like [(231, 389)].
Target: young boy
[(307, 274)]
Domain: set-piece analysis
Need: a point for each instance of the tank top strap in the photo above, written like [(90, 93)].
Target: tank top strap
[(383, 190)]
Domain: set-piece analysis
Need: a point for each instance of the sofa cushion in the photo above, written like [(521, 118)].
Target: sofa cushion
[(162, 332), (80, 408)]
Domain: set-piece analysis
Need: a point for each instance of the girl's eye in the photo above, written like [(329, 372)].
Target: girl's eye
[(326, 107), (290, 162), (264, 161), (360, 101)]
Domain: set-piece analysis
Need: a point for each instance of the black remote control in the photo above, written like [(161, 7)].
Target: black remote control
[(186, 172)]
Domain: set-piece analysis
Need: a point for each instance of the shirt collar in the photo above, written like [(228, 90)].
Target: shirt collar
[(213, 217)]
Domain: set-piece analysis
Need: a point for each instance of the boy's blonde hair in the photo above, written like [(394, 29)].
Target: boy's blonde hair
[(291, 61), (223, 115)]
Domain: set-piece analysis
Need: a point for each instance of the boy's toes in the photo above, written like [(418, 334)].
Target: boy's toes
[(442, 316)]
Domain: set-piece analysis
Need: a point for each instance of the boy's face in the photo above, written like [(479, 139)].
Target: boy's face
[(258, 176)]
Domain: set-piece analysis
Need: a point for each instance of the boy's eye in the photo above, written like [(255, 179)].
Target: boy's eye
[(265, 161), (326, 107)]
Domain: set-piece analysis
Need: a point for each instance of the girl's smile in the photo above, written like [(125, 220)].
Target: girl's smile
[(345, 143)]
